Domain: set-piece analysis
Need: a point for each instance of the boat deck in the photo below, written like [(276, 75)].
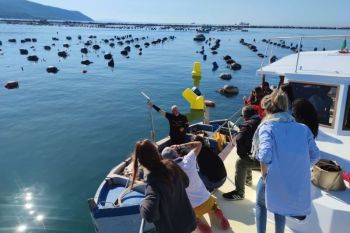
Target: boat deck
[(239, 213)]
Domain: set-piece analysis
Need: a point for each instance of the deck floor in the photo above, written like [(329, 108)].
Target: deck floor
[(240, 213)]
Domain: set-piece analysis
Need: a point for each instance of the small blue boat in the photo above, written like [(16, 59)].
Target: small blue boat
[(116, 208)]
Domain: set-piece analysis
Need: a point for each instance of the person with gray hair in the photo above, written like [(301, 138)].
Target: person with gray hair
[(286, 151), (201, 200), (178, 123)]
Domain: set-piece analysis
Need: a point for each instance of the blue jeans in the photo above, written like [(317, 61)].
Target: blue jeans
[(261, 212), (210, 184)]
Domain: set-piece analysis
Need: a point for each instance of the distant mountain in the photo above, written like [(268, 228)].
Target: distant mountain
[(23, 9)]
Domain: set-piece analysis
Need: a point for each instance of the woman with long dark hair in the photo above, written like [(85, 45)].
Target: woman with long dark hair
[(304, 112), (166, 203)]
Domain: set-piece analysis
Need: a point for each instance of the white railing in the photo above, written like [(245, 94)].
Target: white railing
[(300, 38)]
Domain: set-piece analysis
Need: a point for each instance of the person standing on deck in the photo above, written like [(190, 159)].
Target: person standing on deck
[(286, 151), (201, 200), (178, 123), (244, 163)]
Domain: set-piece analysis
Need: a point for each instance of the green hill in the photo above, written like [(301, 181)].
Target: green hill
[(22, 9)]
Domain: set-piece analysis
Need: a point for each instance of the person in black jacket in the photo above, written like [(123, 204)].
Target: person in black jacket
[(166, 203), (178, 123), (244, 163), (212, 170)]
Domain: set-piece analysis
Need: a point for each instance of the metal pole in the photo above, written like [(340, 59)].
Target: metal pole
[(153, 133), (142, 226), (296, 66), (265, 55)]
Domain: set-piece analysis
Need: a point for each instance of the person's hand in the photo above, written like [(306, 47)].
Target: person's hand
[(150, 104)]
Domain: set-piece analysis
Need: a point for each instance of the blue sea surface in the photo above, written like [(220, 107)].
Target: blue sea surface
[(61, 134)]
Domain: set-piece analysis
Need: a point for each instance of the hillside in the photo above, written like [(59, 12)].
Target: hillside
[(22, 9)]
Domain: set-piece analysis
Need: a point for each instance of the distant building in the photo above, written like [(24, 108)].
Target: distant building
[(243, 24)]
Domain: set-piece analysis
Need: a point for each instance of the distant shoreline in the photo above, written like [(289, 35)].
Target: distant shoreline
[(135, 26)]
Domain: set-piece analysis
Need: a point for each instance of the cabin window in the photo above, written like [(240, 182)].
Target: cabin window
[(346, 125), (323, 97)]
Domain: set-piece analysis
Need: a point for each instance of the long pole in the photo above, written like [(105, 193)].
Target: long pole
[(153, 132)]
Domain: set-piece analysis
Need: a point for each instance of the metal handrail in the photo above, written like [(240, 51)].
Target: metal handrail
[(313, 37), (299, 44)]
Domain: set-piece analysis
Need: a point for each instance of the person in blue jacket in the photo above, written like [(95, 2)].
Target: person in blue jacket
[(286, 151)]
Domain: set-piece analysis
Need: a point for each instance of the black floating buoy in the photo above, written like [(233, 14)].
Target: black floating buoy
[(84, 71), (11, 85), (127, 48), (225, 76), (47, 48), (124, 53), (62, 54), (33, 58), (12, 40), (229, 90), (273, 59), (96, 47), (227, 57), (86, 62), (23, 51), (108, 56), (215, 66), (52, 69), (111, 63), (235, 66), (84, 50)]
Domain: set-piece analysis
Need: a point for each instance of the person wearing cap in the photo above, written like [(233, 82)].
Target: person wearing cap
[(244, 163), (201, 200), (178, 123)]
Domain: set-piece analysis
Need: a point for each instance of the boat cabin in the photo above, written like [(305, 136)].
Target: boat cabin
[(323, 78)]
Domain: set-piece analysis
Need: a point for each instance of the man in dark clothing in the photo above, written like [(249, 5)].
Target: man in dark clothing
[(212, 170), (244, 163), (178, 123)]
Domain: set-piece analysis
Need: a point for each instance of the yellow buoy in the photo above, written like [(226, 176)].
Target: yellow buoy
[(196, 102), (196, 73), (197, 69)]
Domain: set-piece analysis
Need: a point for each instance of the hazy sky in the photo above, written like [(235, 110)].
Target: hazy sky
[(257, 12)]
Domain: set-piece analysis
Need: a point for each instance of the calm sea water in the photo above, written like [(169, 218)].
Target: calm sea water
[(61, 134)]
